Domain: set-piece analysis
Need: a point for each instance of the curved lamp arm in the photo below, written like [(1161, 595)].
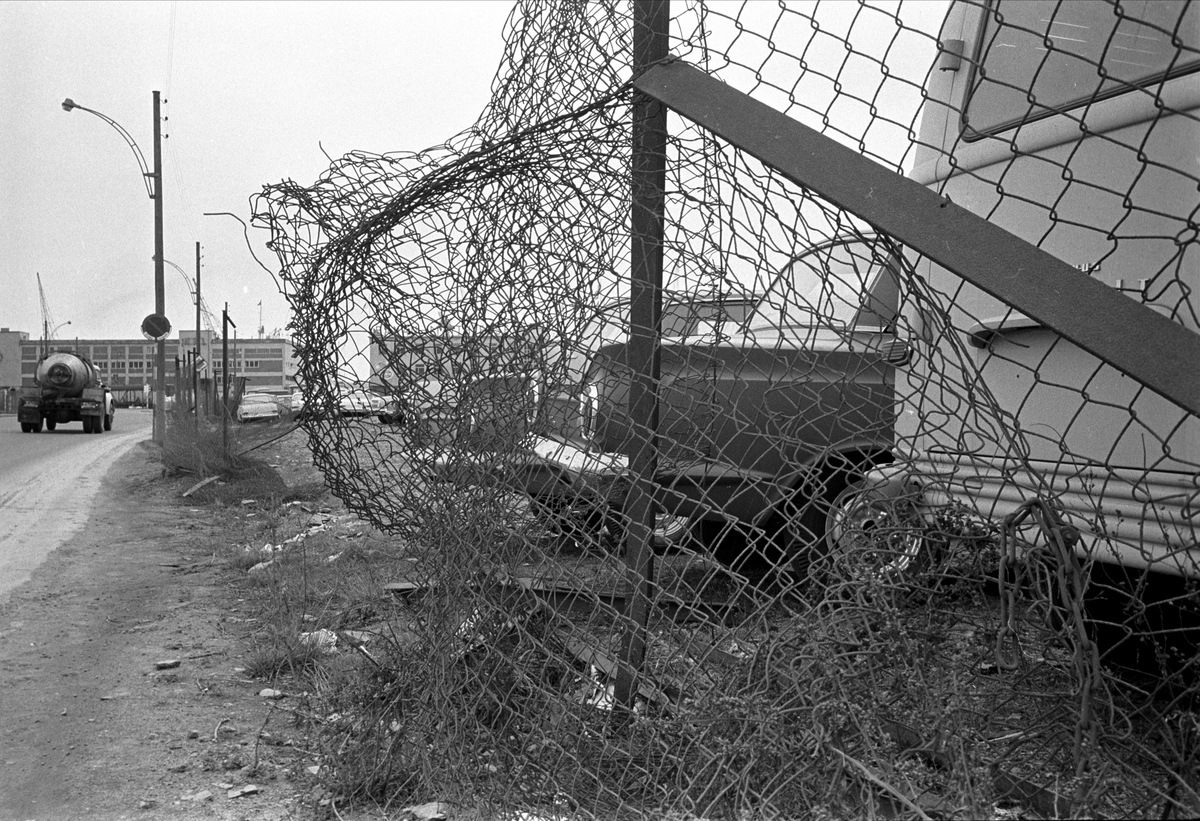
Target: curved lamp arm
[(69, 105), (186, 278), (209, 319)]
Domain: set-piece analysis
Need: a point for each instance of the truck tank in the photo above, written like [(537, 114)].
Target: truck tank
[(65, 375)]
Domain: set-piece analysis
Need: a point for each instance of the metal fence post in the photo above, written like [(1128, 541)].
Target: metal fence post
[(651, 22), (225, 323)]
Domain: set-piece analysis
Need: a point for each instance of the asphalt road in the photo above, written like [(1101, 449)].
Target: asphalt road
[(48, 483)]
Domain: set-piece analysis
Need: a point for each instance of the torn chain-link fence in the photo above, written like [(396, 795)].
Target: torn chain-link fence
[(922, 492)]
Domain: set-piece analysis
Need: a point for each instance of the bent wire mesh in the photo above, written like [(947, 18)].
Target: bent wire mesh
[(914, 548)]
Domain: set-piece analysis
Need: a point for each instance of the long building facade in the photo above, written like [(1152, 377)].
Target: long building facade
[(127, 365)]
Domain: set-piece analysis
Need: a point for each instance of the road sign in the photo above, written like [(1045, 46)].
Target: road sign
[(156, 327)]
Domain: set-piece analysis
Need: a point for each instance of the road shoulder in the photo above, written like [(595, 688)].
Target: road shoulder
[(89, 724)]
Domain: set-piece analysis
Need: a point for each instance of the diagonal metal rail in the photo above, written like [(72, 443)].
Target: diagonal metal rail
[(1147, 347)]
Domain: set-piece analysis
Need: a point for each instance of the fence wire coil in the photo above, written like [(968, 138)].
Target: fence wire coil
[(917, 550)]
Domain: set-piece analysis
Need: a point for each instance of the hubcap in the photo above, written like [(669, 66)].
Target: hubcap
[(875, 537)]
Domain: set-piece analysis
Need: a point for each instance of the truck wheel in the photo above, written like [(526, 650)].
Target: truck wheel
[(87, 424), (51, 424), (26, 427), (873, 536), (97, 424), (36, 427), (108, 421)]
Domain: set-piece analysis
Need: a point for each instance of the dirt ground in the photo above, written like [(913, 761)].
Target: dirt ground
[(121, 689)]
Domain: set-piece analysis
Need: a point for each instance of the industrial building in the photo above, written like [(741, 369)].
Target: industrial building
[(127, 365)]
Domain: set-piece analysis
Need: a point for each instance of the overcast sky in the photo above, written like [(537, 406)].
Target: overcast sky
[(253, 92)]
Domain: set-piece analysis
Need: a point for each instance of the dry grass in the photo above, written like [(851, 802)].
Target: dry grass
[(837, 704)]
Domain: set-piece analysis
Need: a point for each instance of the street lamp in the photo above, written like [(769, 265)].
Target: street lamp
[(155, 191), (196, 347), (48, 334)]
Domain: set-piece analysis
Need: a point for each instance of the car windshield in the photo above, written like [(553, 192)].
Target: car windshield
[(838, 284), (256, 398), (684, 318), (682, 315)]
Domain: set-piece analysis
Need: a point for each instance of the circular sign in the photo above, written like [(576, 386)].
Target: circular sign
[(156, 326)]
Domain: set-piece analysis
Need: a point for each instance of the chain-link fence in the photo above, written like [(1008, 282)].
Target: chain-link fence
[(857, 507)]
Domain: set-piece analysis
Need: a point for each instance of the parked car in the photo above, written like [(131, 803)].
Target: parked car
[(257, 407), (683, 315), (764, 419), (394, 411), (295, 404), (360, 403)]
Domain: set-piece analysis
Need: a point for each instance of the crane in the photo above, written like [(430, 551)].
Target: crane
[(48, 326)]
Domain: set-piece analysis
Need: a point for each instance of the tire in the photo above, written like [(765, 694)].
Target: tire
[(97, 424), (871, 535), (108, 421), (51, 424), (35, 427), (26, 427), (87, 424)]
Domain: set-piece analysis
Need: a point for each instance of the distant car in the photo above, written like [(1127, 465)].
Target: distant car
[(257, 407), (361, 403)]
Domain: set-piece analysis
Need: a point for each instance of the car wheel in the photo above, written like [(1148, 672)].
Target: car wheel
[(871, 535), (51, 424)]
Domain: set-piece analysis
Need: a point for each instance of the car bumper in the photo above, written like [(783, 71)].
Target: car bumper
[(555, 469), (257, 417)]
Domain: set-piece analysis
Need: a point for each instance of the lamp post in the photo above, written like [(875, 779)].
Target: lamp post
[(196, 347), (155, 190)]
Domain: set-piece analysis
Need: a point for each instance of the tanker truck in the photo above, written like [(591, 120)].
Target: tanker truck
[(68, 389)]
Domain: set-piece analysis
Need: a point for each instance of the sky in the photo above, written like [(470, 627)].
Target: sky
[(253, 93)]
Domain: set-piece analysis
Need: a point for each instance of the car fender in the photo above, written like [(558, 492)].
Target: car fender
[(895, 481), (793, 483)]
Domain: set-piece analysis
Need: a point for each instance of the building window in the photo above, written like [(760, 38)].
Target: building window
[(135, 365)]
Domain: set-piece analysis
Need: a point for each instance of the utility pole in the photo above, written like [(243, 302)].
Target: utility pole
[(160, 308), (196, 356)]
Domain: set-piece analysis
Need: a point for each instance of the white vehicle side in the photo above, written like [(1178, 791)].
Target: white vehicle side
[(1107, 183)]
